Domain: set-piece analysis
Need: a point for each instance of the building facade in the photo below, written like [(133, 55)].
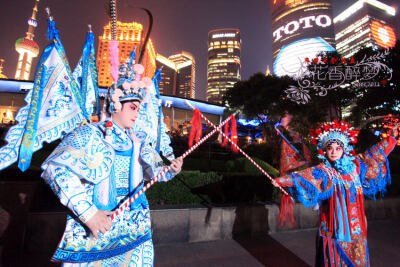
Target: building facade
[(2, 76), (27, 48), (178, 74), (224, 64), (186, 74), (177, 115), (300, 29), (167, 85), (129, 36), (366, 23)]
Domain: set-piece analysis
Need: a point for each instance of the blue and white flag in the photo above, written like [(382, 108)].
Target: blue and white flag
[(151, 118), (85, 75), (9, 152), (56, 105)]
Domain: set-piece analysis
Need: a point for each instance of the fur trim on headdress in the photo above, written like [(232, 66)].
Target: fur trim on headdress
[(130, 86)]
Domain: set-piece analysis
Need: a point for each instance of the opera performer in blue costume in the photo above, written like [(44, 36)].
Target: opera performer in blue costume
[(94, 169), (337, 187)]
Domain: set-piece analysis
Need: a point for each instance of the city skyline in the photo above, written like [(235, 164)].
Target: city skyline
[(178, 25)]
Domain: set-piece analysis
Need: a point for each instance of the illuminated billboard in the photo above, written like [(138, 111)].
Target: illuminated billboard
[(365, 23), (300, 29), (290, 60), (383, 35)]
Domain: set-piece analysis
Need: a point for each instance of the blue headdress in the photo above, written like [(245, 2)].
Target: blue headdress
[(130, 86)]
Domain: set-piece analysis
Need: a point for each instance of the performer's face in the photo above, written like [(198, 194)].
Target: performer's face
[(128, 114), (334, 151)]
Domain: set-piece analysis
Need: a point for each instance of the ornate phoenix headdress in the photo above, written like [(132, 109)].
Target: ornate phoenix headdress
[(331, 132)]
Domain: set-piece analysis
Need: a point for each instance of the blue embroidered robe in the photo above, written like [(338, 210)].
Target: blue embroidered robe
[(88, 172)]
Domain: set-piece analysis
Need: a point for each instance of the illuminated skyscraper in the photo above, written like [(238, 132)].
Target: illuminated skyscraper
[(300, 29), (186, 74), (167, 85), (224, 66), (129, 36), (27, 48), (366, 23), (2, 76), (178, 74)]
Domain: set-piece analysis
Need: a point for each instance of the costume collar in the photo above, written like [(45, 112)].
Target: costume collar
[(344, 165), (120, 140)]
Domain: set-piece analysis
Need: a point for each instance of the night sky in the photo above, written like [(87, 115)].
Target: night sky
[(178, 25)]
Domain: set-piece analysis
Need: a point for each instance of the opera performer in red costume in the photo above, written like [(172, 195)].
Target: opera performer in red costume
[(337, 187)]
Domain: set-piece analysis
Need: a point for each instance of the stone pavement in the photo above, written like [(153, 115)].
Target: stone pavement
[(291, 248)]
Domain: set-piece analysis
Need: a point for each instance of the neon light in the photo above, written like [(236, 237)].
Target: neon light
[(359, 4), (253, 123), (290, 59), (223, 35), (305, 23), (383, 35)]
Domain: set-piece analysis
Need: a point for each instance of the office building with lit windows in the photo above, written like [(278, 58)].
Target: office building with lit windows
[(300, 29), (167, 85), (129, 36), (366, 23), (178, 74), (224, 65), (186, 74)]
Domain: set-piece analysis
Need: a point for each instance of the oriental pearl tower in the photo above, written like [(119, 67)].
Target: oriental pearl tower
[(27, 48)]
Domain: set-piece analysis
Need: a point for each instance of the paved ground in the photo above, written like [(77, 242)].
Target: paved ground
[(293, 248)]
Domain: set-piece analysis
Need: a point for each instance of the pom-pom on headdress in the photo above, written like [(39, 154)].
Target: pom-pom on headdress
[(335, 132), (130, 86)]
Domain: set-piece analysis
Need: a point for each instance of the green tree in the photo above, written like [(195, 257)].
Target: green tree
[(263, 97), (373, 102)]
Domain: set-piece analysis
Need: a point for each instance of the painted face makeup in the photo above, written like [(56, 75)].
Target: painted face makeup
[(128, 114), (334, 152)]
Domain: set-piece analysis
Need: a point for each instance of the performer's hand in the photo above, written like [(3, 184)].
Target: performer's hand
[(275, 183), (395, 130), (100, 222), (176, 165)]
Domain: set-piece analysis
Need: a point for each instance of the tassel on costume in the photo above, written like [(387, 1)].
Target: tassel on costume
[(195, 132), (307, 153), (226, 132), (361, 211), (113, 49), (286, 213), (234, 136)]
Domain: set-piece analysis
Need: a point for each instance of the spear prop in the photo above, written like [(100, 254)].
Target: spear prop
[(130, 200), (287, 201), (238, 148)]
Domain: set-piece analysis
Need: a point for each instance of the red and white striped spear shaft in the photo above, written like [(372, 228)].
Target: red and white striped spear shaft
[(238, 148), (129, 201)]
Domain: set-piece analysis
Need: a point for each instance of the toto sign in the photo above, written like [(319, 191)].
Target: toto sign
[(303, 23)]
